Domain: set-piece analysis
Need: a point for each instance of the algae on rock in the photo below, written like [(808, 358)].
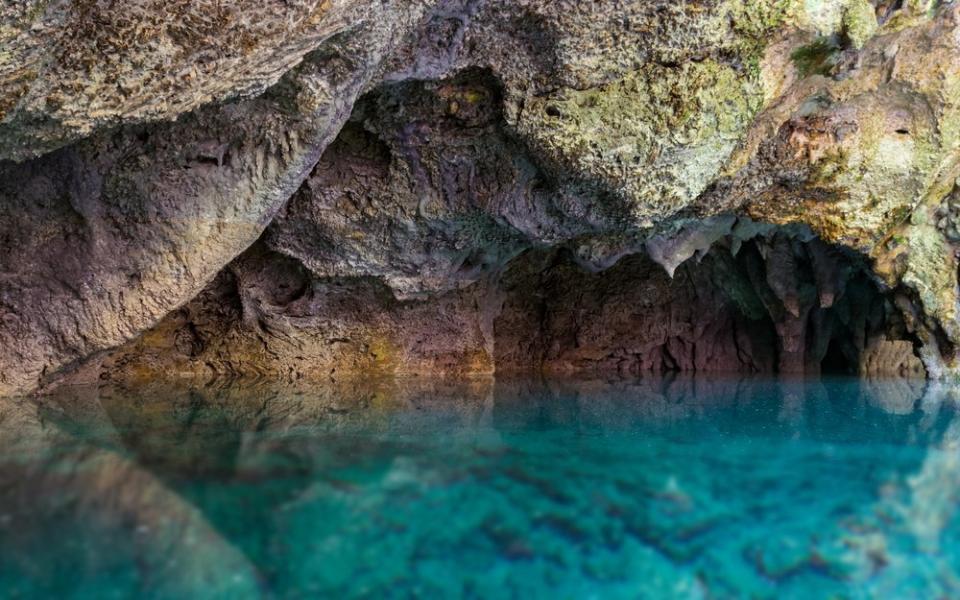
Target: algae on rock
[(657, 137)]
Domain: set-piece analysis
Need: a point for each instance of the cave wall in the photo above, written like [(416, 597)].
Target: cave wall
[(630, 320), (268, 317), (412, 162)]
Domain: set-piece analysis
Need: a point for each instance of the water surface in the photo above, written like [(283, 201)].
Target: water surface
[(419, 488)]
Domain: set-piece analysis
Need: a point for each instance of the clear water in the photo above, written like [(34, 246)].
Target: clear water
[(657, 489)]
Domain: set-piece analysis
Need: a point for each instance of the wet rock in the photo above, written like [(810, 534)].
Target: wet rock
[(270, 316), (889, 357), (175, 187)]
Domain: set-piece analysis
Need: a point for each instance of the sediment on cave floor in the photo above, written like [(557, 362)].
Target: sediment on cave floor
[(782, 302)]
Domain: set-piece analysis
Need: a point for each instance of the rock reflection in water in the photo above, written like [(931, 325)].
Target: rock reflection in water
[(677, 487)]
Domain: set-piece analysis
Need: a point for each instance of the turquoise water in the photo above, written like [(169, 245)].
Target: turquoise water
[(657, 489)]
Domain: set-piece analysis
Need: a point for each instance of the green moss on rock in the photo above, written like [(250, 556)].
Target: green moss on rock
[(657, 137), (932, 272), (859, 22)]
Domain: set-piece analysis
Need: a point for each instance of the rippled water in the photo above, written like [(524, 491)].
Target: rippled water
[(657, 489)]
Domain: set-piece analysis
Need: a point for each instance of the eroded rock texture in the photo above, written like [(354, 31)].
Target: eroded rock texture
[(101, 239), (319, 188), (779, 302)]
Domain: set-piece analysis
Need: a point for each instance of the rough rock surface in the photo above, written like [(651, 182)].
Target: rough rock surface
[(103, 238), (70, 68), (505, 179), (768, 307)]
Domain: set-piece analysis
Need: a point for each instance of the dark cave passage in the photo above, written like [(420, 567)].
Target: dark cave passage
[(784, 302), (838, 361)]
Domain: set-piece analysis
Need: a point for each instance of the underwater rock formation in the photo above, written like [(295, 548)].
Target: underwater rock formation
[(324, 188)]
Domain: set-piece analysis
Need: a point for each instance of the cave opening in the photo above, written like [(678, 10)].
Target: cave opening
[(837, 360), (783, 302)]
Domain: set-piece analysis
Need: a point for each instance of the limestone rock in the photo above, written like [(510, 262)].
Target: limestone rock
[(888, 357), (761, 311), (103, 238), (500, 169), (70, 68)]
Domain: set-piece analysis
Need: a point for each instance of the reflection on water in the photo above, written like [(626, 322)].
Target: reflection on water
[(476, 489)]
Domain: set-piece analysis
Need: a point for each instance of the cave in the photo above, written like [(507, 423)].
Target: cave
[(837, 360), (479, 299), (781, 302), (445, 229)]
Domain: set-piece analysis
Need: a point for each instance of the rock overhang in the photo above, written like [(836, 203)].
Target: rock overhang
[(489, 130)]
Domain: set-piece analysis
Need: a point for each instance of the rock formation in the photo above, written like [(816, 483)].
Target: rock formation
[(323, 188)]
